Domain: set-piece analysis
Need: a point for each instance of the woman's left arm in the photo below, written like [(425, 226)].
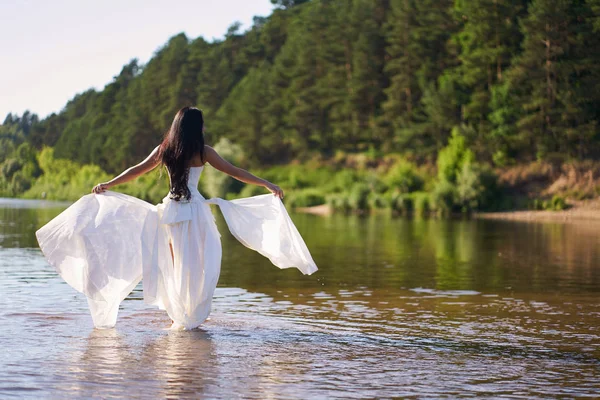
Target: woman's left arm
[(132, 172), (214, 159)]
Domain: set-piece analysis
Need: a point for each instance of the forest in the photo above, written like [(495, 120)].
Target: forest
[(361, 104)]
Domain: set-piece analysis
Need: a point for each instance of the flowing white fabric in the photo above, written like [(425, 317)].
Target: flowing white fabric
[(103, 244)]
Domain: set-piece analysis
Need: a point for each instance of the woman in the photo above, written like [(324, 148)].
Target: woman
[(106, 242), (184, 147)]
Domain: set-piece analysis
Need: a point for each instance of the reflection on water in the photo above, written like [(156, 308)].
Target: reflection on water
[(398, 308)]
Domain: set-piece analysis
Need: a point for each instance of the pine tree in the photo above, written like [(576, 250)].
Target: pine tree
[(417, 54), (551, 74), (488, 40), (366, 79)]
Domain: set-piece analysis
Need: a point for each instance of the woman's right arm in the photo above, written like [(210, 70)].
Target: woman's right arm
[(214, 159), (130, 173)]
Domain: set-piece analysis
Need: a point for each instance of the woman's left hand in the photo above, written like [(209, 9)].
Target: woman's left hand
[(276, 190), (101, 187)]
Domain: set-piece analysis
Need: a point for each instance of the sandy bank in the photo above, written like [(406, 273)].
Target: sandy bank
[(322, 209), (580, 210)]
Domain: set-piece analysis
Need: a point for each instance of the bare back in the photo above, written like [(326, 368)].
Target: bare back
[(197, 161)]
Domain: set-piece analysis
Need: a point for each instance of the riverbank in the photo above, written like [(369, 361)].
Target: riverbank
[(578, 210)]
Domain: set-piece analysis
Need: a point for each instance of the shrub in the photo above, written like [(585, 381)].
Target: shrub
[(422, 203), (443, 197), (404, 177), (338, 202), (468, 186), (451, 158), (558, 203), (358, 197), (7, 147), (305, 198), (477, 188), (19, 183), (63, 179), (402, 204), (342, 180), (31, 169), (378, 201), (500, 158), (375, 184), (9, 167)]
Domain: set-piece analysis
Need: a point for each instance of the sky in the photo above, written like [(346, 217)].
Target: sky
[(55, 49)]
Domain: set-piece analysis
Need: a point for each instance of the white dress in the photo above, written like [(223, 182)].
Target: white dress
[(104, 244)]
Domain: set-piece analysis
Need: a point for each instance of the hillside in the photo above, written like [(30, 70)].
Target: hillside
[(516, 82)]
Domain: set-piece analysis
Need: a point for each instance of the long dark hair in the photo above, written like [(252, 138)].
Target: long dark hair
[(181, 143)]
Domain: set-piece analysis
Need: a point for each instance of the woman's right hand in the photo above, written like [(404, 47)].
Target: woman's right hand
[(276, 190), (101, 187)]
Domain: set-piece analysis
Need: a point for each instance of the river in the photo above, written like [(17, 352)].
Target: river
[(399, 308)]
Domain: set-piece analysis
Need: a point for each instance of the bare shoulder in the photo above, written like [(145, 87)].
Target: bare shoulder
[(155, 152), (154, 156), (208, 149), (209, 153), (214, 159)]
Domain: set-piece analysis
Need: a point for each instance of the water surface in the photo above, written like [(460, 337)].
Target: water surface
[(399, 308)]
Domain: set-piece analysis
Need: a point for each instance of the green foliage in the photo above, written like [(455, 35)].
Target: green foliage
[(504, 135), (416, 34), (342, 180), (338, 202), (214, 182), (402, 204), (358, 196), (252, 190), (555, 80), (305, 198), (66, 180), (379, 201), (19, 182), (63, 179), (355, 76), (300, 176), (469, 188), (18, 163), (488, 40), (452, 158), (287, 3), (9, 167), (422, 203), (462, 184), (466, 83), (374, 182), (404, 177), (152, 187), (556, 203), (443, 198)]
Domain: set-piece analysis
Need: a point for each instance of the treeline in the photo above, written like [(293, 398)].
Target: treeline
[(512, 80), (519, 78), (347, 182)]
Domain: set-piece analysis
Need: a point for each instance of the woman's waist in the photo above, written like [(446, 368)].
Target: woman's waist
[(195, 196), (172, 211)]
